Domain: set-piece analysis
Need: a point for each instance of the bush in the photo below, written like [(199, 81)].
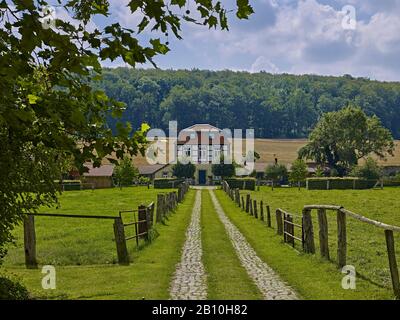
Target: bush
[(166, 183), (70, 185), (339, 183), (11, 289), (242, 183), (369, 170)]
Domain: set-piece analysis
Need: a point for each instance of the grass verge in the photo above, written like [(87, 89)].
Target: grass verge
[(311, 276), (226, 278)]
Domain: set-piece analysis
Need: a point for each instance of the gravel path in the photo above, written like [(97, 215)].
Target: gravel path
[(189, 282), (267, 281)]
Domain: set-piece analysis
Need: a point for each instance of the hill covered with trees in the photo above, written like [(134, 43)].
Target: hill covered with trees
[(276, 106)]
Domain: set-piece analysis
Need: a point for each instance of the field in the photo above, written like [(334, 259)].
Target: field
[(366, 244), (84, 254), (286, 152)]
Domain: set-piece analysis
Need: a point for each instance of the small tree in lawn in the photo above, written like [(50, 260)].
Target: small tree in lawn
[(125, 172), (222, 169), (298, 172), (276, 172), (185, 171), (370, 170)]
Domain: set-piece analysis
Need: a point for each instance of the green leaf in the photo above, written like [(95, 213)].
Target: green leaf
[(32, 98)]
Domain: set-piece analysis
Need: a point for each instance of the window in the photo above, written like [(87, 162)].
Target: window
[(165, 174)]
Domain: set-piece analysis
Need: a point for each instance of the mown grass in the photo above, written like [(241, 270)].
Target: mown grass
[(366, 243), (310, 275), (70, 241), (147, 277), (226, 278)]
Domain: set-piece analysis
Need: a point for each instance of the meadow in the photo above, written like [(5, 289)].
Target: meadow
[(84, 253), (366, 243)]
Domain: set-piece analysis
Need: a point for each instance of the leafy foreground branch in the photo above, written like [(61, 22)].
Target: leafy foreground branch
[(50, 117)]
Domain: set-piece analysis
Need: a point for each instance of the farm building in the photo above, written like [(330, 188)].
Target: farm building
[(101, 177), (155, 171)]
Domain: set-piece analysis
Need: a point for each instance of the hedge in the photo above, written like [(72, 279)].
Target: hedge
[(166, 183), (69, 185), (339, 183), (242, 183)]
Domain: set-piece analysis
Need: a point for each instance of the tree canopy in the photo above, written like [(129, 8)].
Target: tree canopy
[(341, 138), (274, 105)]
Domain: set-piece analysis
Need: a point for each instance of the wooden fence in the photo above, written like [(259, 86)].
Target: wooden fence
[(285, 226), (143, 221)]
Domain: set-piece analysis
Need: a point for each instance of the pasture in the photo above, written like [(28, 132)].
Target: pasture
[(366, 243)]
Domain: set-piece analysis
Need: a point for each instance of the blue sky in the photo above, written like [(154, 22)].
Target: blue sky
[(289, 36)]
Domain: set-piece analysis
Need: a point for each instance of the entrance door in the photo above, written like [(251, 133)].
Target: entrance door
[(202, 176)]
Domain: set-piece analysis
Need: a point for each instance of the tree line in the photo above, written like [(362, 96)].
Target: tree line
[(276, 106)]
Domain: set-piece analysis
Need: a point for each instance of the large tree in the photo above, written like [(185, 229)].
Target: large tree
[(48, 108), (342, 138)]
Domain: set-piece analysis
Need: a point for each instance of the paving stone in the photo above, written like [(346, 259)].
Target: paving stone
[(189, 281)]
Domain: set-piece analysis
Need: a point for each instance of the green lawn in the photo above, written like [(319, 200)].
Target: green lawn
[(311, 276), (70, 241), (147, 277), (226, 278)]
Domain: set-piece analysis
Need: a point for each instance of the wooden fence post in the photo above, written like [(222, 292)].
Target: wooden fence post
[(279, 222), (159, 212), (394, 272), (308, 231), (143, 226), (290, 230), (237, 197), (242, 203), (251, 207), (261, 210), (119, 233), (269, 217), (342, 240), (323, 233), (255, 209), (30, 242), (248, 203)]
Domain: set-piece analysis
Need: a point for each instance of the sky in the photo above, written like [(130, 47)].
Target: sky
[(289, 36)]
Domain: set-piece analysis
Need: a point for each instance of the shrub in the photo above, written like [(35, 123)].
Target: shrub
[(276, 172), (125, 172), (339, 183), (181, 170), (12, 289), (166, 183), (370, 170), (242, 183)]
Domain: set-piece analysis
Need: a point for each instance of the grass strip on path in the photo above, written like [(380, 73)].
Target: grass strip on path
[(312, 277), (149, 276), (226, 277)]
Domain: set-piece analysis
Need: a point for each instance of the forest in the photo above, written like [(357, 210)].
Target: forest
[(275, 105)]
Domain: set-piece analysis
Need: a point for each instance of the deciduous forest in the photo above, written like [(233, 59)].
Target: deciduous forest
[(276, 106)]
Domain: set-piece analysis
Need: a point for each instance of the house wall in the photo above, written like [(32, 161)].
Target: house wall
[(99, 182), (159, 173)]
